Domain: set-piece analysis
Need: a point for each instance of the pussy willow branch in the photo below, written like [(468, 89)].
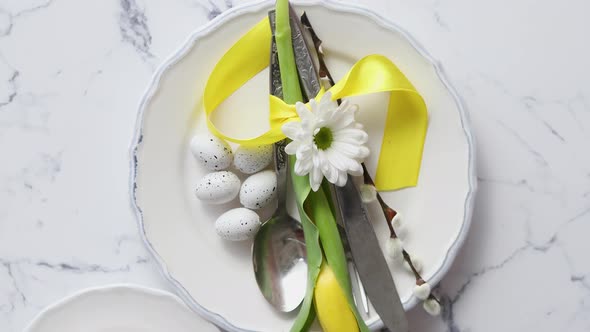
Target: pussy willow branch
[(388, 212)]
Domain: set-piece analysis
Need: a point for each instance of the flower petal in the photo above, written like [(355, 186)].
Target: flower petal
[(315, 178), (356, 170), (302, 110), (327, 107), (347, 139), (336, 159), (308, 119), (342, 178), (292, 129), (305, 151), (341, 120), (352, 108), (351, 135), (340, 161), (313, 105), (329, 171), (364, 152), (292, 147), (302, 167), (326, 98), (350, 150)]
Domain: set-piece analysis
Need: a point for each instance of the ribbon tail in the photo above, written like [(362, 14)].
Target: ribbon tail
[(403, 142)]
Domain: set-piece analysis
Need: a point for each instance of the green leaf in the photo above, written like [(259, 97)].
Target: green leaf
[(326, 187), (302, 189), (319, 207), (289, 76)]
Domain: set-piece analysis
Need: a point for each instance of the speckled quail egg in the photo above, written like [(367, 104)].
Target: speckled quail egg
[(218, 187), (237, 224), (212, 152), (259, 189), (252, 159)]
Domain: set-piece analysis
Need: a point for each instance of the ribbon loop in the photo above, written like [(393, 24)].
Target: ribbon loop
[(406, 121)]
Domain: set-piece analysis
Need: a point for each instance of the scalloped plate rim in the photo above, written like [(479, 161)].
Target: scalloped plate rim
[(332, 5), (144, 290)]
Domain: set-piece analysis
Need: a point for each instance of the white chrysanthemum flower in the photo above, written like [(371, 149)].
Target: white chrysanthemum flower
[(394, 249), (368, 193), (432, 307), (327, 141), (422, 291)]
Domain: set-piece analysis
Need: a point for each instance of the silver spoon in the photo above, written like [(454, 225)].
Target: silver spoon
[(278, 253)]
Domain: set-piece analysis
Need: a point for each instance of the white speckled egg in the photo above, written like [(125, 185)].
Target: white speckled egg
[(237, 224), (212, 152), (218, 187), (252, 159), (259, 189)]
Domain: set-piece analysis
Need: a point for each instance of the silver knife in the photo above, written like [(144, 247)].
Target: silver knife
[(368, 258), (364, 246)]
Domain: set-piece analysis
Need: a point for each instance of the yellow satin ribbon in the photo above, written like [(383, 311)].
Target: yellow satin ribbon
[(406, 121)]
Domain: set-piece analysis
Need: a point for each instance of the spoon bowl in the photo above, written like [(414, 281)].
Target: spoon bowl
[(279, 259)]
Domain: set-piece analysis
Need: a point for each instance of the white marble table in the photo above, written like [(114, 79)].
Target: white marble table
[(71, 74)]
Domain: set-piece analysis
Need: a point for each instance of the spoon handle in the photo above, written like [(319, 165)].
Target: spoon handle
[(281, 167), (280, 157)]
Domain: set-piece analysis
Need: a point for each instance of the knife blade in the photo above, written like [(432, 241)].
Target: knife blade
[(364, 246), (368, 258)]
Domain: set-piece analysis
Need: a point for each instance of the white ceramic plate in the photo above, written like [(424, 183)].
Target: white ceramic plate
[(214, 276), (119, 308)]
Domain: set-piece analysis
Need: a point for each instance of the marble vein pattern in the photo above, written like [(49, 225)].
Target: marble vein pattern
[(72, 73)]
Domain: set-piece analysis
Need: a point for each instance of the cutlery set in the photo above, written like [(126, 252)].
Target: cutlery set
[(279, 245)]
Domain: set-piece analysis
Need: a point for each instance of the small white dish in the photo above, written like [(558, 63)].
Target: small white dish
[(120, 308), (214, 276)]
